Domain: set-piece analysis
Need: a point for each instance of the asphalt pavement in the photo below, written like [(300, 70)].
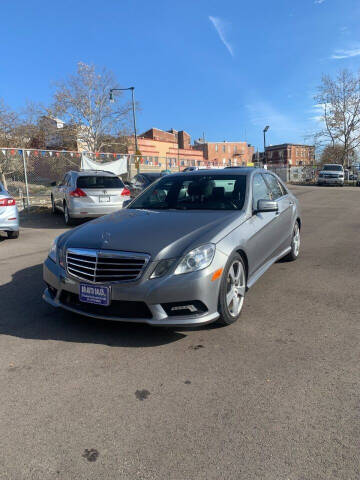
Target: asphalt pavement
[(275, 396)]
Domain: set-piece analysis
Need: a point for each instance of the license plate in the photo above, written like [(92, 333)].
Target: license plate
[(104, 199), (96, 294)]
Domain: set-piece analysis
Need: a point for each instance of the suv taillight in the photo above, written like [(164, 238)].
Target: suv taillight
[(7, 202), (77, 193), (125, 192)]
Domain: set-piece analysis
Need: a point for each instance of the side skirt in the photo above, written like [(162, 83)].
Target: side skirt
[(265, 267)]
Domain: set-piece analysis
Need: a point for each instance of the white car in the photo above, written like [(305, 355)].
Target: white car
[(9, 215), (88, 194)]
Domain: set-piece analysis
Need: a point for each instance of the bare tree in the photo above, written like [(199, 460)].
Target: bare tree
[(9, 164), (335, 154), (82, 101), (339, 99)]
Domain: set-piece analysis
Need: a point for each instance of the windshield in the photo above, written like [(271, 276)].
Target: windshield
[(94, 181), (194, 192), (336, 168)]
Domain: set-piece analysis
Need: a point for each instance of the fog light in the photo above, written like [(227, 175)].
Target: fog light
[(191, 307)]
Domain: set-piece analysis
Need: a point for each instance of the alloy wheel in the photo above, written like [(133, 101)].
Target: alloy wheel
[(296, 240), (235, 288)]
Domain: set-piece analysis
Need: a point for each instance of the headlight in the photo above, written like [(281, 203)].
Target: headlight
[(197, 259), (53, 250), (162, 268)]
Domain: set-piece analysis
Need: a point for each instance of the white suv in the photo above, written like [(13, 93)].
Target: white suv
[(88, 194), (331, 174)]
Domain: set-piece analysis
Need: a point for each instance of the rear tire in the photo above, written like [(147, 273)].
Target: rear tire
[(67, 218), (232, 291), (13, 235), (295, 245)]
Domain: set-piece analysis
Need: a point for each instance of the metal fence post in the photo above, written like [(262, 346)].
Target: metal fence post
[(26, 179)]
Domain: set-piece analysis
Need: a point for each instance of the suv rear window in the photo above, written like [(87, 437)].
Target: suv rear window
[(95, 181)]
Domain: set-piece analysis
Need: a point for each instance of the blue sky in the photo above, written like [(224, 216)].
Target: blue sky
[(226, 68)]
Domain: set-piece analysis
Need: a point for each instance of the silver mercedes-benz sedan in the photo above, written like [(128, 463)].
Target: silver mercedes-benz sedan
[(184, 252), (9, 215)]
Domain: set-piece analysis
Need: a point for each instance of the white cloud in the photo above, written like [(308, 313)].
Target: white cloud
[(317, 113), (340, 54), (220, 27), (262, 113), (318, 2)]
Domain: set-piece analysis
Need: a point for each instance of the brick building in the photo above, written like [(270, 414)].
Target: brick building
[(290, 154), (156, 144), (226, 153)]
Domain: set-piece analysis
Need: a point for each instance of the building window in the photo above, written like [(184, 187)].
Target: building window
[(224, 148), (235, 148), (216, 147)]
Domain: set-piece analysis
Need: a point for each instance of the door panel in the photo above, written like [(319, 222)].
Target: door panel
[(261, 246), (283, 220)]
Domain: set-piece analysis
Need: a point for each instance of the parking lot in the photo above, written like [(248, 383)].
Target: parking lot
[(275, 396)]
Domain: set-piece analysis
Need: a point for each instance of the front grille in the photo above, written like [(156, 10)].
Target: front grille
[(103, 266), (117, 308)]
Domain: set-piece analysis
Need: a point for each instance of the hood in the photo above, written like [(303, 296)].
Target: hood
[(162, 234)]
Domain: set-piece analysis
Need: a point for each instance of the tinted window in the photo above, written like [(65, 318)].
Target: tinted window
[(276, 191), (260, 190), (1, 187), (195, 192), (336, 168), (94, 181)]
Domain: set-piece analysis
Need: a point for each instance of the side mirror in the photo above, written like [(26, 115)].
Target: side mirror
[(267, 206), (126, 203), (53, 184)]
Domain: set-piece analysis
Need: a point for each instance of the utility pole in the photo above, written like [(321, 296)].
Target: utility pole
[(111, 98)]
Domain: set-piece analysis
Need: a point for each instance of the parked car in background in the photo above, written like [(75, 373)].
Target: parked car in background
[(88, 194), (331, 174), (9, 215), (141, 181), (184, 252)]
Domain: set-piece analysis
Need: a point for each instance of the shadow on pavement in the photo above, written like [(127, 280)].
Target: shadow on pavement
[(40, 217), (24, 314)]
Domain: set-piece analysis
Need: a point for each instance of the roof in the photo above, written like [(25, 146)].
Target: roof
[(103, 173), (224, 171), (282, 145)]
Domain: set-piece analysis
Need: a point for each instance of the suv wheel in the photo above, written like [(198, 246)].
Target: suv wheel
[(53, 208), (67, 218), (12, 234), (232, 291)]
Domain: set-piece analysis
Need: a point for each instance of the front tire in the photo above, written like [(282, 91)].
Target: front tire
[(295, 245), (53, 208), (232, 291)]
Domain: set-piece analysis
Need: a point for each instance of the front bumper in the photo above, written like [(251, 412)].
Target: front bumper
[(330, 181), (154, 293)]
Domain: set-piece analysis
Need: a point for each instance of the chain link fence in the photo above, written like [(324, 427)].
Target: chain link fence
[(28, 173)]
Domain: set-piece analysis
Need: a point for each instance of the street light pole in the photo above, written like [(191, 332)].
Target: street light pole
[(111, 98), (264, 132)]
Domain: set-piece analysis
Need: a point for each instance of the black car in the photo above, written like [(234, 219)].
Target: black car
[(142, 181)]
